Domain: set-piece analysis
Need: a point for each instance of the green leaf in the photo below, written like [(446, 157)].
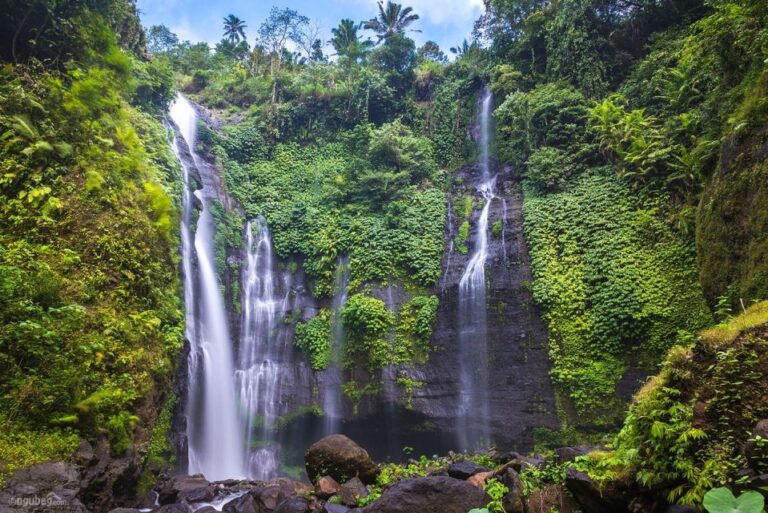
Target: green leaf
[(722, 500)]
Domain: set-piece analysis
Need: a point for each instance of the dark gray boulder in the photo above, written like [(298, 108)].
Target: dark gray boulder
[(352, 491), (611, 498), (42, 488), (340, 458), (248, 503), (293, 505), (465, 469), (437, 494), (193, 488), (566, 454), (514, 500)]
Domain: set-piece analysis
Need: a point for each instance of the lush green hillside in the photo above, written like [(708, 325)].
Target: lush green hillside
[(638, 129), (644, 171), (90, 320)]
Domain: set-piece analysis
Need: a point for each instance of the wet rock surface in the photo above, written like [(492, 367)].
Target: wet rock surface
[(429, 495), (465, 469), (520, 394), (340, 458)]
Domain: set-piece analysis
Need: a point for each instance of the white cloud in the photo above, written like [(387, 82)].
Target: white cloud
[(458, 13), (455, 13), (183, 29)]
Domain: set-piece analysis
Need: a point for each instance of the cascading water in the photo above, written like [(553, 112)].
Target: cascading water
[(262, 351), (215, 435), (332, 392), (473, 408)]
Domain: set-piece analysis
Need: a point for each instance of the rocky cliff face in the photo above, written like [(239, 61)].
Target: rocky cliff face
[(520, 394)]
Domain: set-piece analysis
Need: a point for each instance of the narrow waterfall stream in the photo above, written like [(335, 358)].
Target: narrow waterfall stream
[(259, 372), (473, 340), (332, 392), (214, 431)]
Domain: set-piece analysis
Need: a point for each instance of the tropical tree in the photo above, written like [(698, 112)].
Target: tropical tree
[(161, 39), (347, 43), (281, 26), (465, 48), (392, 19), (234, 29)]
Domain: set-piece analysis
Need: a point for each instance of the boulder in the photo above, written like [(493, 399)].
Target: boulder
[(193, 488), (429, 495), (551, 497), (106, 480), (340, 458), (465, 469), (44, 487), (271, 496), (244, 504), (514, 500), (293, 505), (290, 487), (612, 498), (326, 487), (206, 509), (352, 491), (566, 454)]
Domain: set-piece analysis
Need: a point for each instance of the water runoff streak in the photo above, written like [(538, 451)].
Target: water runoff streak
[(473, 410), (332, 392), (215, 435)]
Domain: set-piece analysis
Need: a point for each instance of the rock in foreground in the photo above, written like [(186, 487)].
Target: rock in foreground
[(341, 458), (438, 494)]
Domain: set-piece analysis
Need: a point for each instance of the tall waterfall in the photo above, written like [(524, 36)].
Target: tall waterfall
[(262, 351), (216, 439), (473, 341), (332, 392)]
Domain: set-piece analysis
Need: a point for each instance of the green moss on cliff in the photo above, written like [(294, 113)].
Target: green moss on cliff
[(617, 284), (685, 431), (90, 316)]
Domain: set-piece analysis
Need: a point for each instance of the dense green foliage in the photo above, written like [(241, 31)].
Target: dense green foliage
[(686, 429), (614, 279), (619, 142), (90, 319)]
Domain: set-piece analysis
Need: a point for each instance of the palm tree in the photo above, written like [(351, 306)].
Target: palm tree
[(347, 43), (392, 19), (234, 28), (464, 48)]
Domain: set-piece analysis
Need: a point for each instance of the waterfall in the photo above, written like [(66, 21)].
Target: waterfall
[(260, 366), (332, 393), (473, 407), (216, 440)]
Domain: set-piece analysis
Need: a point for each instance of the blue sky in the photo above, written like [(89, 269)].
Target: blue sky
[(447, 22)]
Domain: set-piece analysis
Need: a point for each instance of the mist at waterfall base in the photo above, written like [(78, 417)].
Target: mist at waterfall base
[(245, 375)]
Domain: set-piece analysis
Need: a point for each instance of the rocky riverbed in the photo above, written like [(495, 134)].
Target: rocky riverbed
[(342, 478)]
